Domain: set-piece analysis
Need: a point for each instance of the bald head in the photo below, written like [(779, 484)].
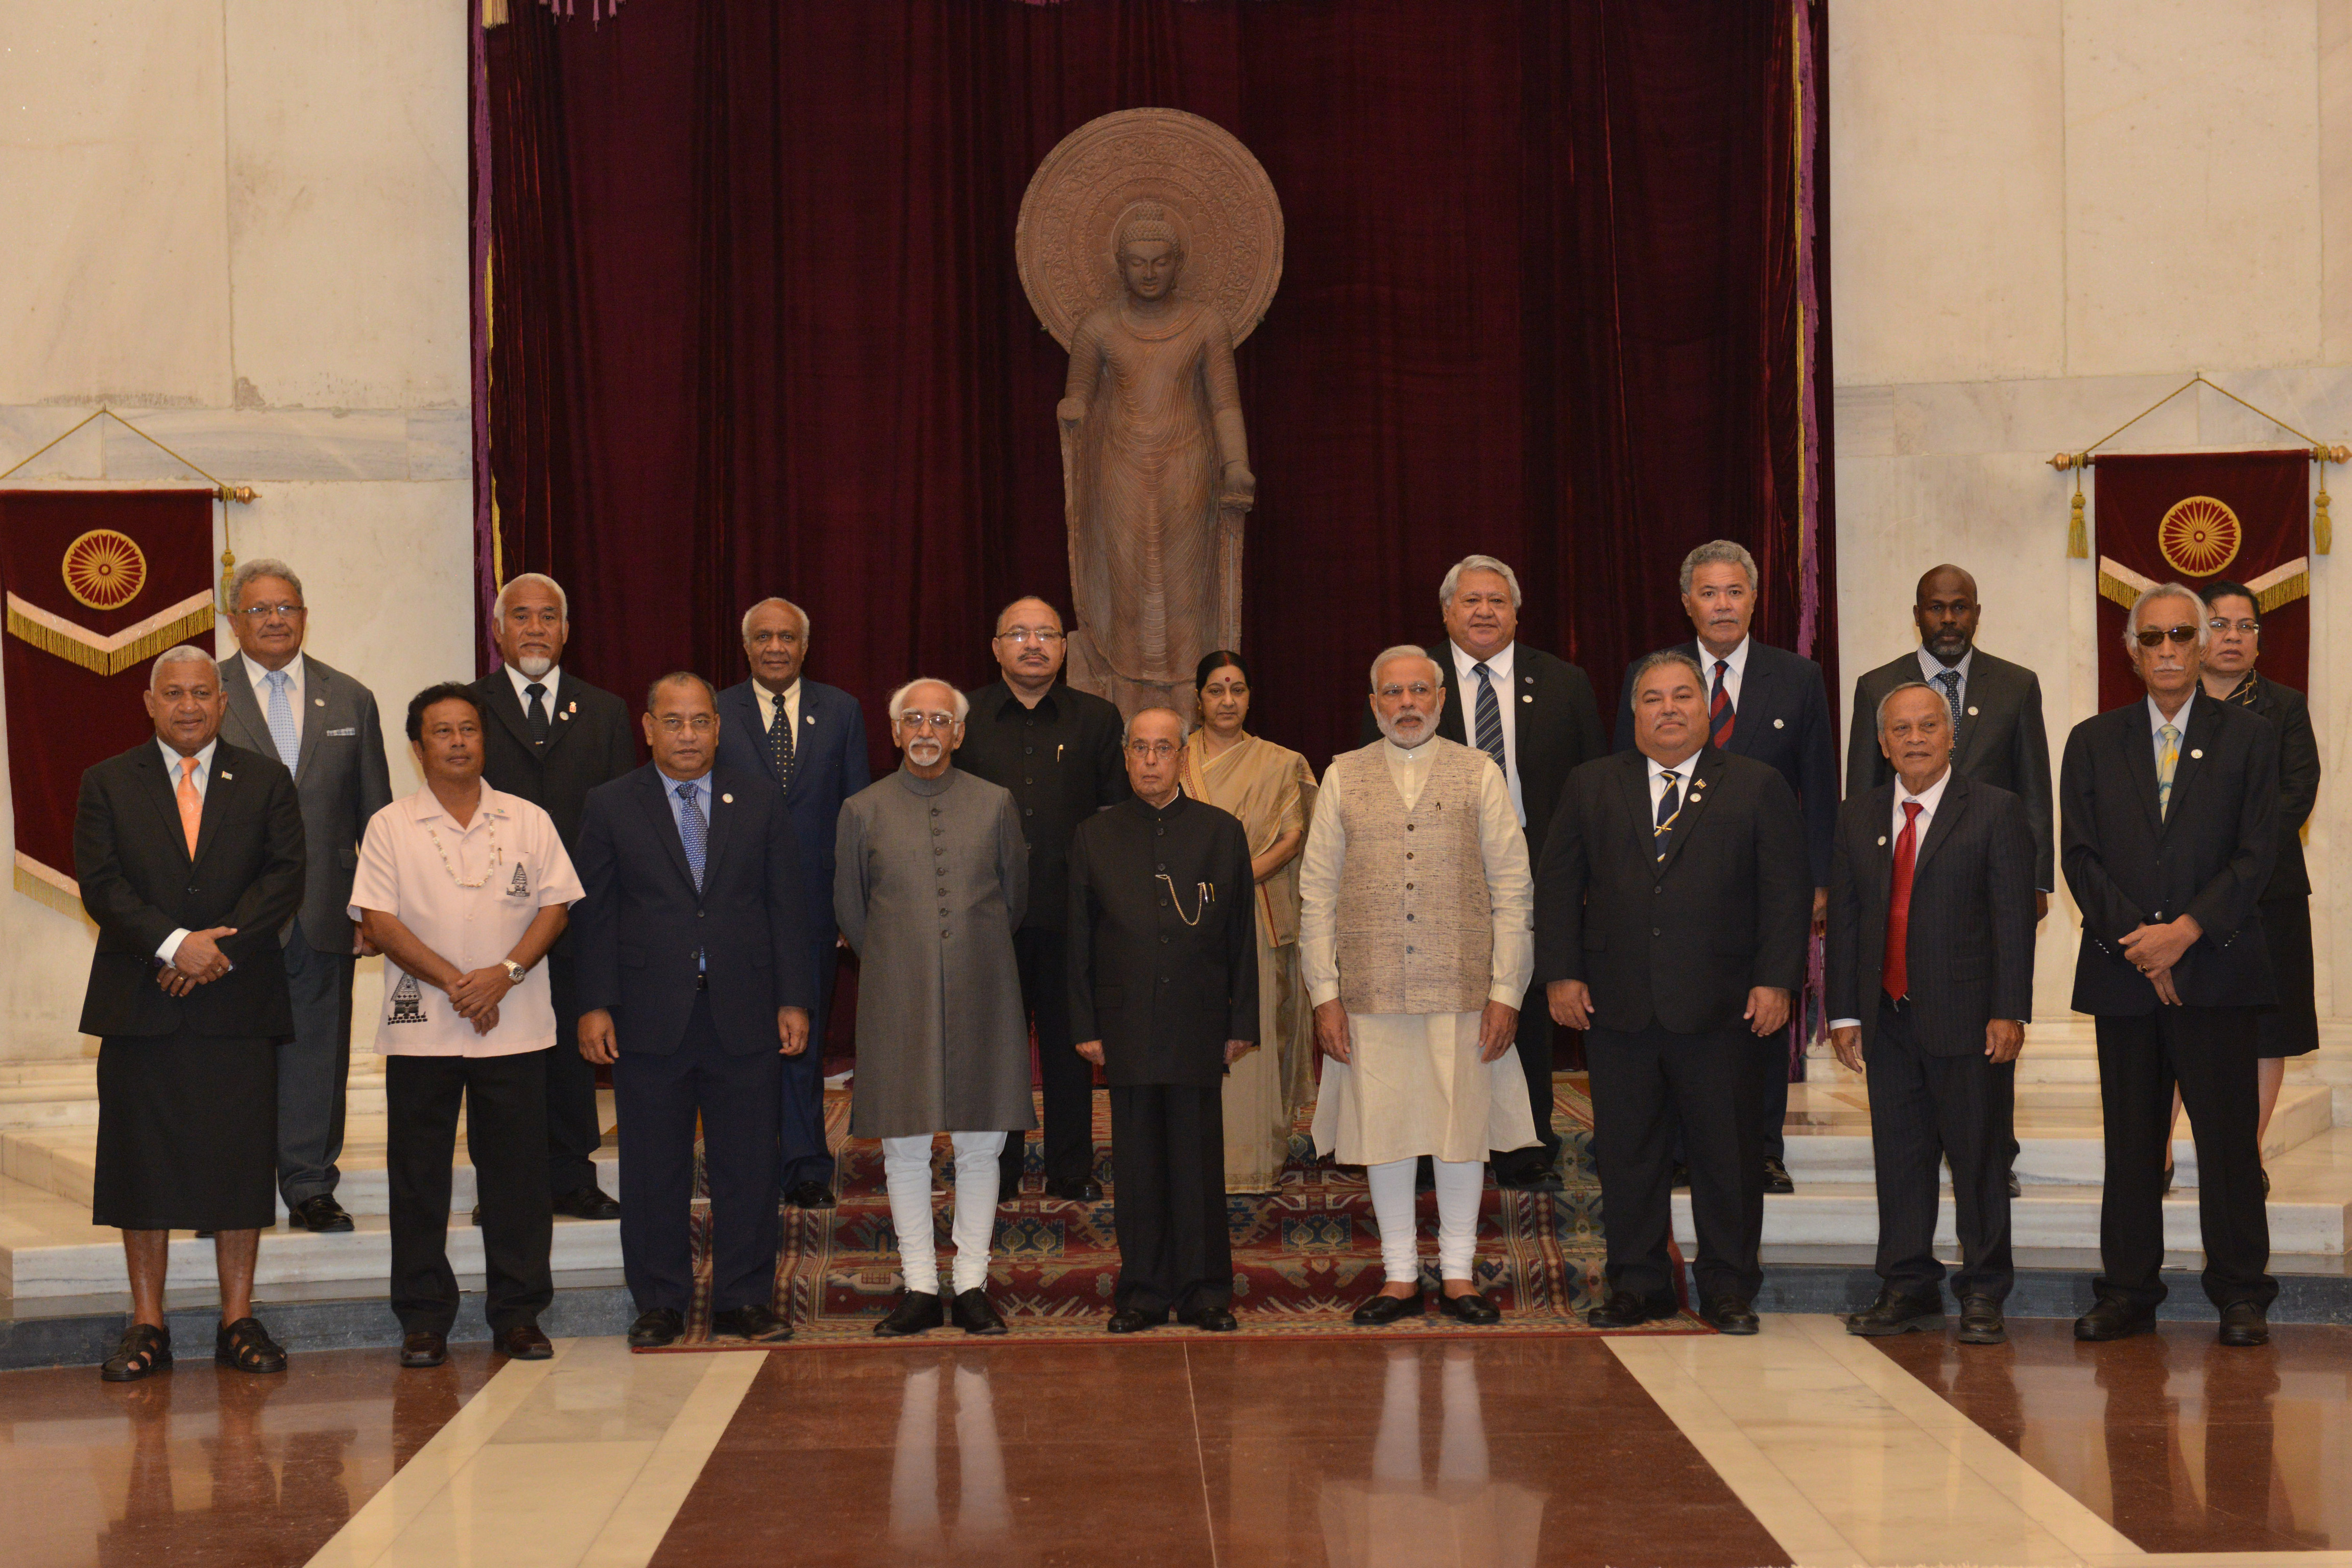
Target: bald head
[(1946, 611)]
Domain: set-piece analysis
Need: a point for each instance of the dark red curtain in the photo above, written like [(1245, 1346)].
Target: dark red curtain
[(756, 326)]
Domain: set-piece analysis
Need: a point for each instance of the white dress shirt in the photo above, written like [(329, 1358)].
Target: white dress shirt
[(170, 947), (1680, 772), (1465, 690), (1510, 881), (554, 673), (294, 674), (2179, 722), (1929, 799), (1738, 661), (1931, 667), (790, 698)]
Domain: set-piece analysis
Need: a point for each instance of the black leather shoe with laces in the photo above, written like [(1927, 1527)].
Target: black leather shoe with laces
[(975, 1313), (1893, 1313), (917, 1311)]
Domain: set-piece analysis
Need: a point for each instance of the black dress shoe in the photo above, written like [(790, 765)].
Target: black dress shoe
[(1134, 1320), (809, 1195), (1681, 1177), (1980, 1321), (2267, 1184), (245, 1346), (423, 1348), (1777, 1178), (657, 1327), (476, 1217), (2244, 1325), (2112, 1317), (144, 1348), (918, 1312), (1470, 1307), (1212, 1320), (1730, 1314), (1528, 1179), (1380, 1311), (2014, 1189), (524, 1343), (1074, 1189), (322, 1214), (585, 1203), (2168, 1183), (975, 1313), (1624, 1310), (1893, 1313), (758, 1323)]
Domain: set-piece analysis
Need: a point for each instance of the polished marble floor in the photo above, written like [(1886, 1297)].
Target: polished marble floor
[(1801, 1446)]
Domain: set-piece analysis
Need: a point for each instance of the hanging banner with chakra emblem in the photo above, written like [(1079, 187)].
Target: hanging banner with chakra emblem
[(98, 583), (2196, 519)]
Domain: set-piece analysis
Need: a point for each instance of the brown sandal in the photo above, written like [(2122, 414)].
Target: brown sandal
[(144, 1348), (247, 1347)]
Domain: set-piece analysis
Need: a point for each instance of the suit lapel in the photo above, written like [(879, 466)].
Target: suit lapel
[(1454, 723), (740, 706), (722, 816), (1754, 682), (664, 825), (501, 698), (2202, 719), (1975, 693), (1947, 816), (1704, 778), (313, 717), (558, 715), (163, 794), (244, 709), (1634, 780), (219, 797), (2139, 763)]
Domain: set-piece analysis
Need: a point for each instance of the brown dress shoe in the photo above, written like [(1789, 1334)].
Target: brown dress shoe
[(423, 1348), (524, 1343)]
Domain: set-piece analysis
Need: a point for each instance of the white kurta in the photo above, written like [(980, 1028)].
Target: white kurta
[(1416, 1086)]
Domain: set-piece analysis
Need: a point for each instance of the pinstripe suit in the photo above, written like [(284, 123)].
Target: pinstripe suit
[(1968, 960)]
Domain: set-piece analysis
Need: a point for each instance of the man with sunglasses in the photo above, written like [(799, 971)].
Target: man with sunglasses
[(2169, 828), (1057, 749)]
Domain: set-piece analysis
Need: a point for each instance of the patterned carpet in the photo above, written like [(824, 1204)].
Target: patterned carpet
[(1304, 1255)]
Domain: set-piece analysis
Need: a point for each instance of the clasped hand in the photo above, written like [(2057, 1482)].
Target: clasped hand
[(2155, 949), (197, 961)]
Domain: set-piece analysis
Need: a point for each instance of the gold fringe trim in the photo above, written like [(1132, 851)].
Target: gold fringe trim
[(2286, 592), (52, 634), (2113, 587), (37, 881)]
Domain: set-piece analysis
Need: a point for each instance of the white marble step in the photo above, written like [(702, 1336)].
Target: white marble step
[(2058, 1132)]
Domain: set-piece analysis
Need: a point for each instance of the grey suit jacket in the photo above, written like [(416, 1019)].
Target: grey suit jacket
[(2001, 741), (341, 777)]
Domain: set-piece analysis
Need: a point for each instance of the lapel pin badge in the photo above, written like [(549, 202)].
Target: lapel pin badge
[(1972, 712), (1882, 841), (726, 799), (318, 702), (2198, 755), (225, 774), (1526, 697), (1779, 723)]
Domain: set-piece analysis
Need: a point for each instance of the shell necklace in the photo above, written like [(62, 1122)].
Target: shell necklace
[(492, 825)]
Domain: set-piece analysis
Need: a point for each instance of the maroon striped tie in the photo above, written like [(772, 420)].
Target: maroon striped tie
[(1721, 713)]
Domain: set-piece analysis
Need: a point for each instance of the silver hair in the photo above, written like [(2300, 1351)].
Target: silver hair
[(563, 600), (1404, 650), (899, 697), (1717, 550), (1649, 662), (264, 566), (2168, 591), (1476, 563), (1183, 725), (1878, 716), (181, 653), (808, 627)]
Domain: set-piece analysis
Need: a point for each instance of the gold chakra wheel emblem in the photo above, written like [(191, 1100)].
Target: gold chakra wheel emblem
[(2199, 536), (105, 569)]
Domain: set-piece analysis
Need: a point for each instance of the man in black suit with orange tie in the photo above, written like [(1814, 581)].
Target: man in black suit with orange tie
[(1930, 977), (2168, 830), (1771, 704), (549, 738), (1671, 922), (696, 981)]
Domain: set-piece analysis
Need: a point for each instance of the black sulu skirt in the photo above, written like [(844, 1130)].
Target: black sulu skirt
[(2290, 1028), (187, 1133)]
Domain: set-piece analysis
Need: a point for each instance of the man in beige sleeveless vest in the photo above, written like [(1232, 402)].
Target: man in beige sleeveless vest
[(1416, 940)]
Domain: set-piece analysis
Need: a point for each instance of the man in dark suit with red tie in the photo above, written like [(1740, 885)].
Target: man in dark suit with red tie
[(2167, 815), (1931, 898), (807, 741)]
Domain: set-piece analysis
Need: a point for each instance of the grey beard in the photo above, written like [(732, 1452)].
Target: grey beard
[(1388, 729), (533, 666)]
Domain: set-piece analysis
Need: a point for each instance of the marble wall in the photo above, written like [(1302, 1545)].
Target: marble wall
[(2047, 215), (242, 224)]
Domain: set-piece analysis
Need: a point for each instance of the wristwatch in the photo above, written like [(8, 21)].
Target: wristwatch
[(515, 972)]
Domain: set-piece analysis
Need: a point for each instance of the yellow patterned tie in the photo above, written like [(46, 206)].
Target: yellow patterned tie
[(2168, 758)]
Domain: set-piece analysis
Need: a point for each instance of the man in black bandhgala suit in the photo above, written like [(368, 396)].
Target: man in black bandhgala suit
[(189, 856), (1163, 994)]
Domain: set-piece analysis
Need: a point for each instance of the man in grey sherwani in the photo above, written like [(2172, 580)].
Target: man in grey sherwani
[(932, 876)]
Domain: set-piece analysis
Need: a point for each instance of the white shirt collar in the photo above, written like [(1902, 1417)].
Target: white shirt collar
[(1931, 666), (1418, 754), (1682, 770), (767, 700), (1498, 667), (701, 781), (2157, 721), (424, 805), (1736, 659), (293, 671), (1929, 799), (554, 673), (204, 759)]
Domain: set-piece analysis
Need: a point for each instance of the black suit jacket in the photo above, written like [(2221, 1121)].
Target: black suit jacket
[(2209, 857), (1557, 729), (1682, 943), (829, 766), (589, 742), (1970, 956), (642, 921), (1783, 719), (2290, 712), (140, 884), (1163, 993), (2001, 741)]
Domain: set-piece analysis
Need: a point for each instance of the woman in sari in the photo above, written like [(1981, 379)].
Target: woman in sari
[(1272, 792)]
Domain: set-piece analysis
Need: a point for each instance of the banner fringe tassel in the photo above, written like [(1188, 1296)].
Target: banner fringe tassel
[(105, 663), (34, 882)]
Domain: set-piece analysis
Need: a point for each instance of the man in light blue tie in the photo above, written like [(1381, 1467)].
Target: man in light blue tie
[(322, 725)]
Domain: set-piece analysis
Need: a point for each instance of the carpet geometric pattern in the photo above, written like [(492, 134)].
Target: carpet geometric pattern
[(1305, 1255)]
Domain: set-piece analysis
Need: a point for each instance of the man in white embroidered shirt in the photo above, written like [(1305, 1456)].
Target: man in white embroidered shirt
[(1416, 942), (464, 888)]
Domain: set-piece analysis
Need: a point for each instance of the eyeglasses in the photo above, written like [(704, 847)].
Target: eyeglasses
[(913, 720), (1044, 636), (701, 723), (259, 612), (2154, 636), (1153, 750), (2248, 627)]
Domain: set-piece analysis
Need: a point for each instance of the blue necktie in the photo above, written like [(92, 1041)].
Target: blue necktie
[(1950, 681), (695, 832), (283, 735), (1670, 805), (1490, 719)]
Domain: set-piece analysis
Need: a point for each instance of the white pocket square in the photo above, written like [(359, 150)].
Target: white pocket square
[(352, 730)]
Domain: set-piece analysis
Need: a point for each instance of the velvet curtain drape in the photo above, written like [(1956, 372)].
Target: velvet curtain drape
[(755, 326)]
